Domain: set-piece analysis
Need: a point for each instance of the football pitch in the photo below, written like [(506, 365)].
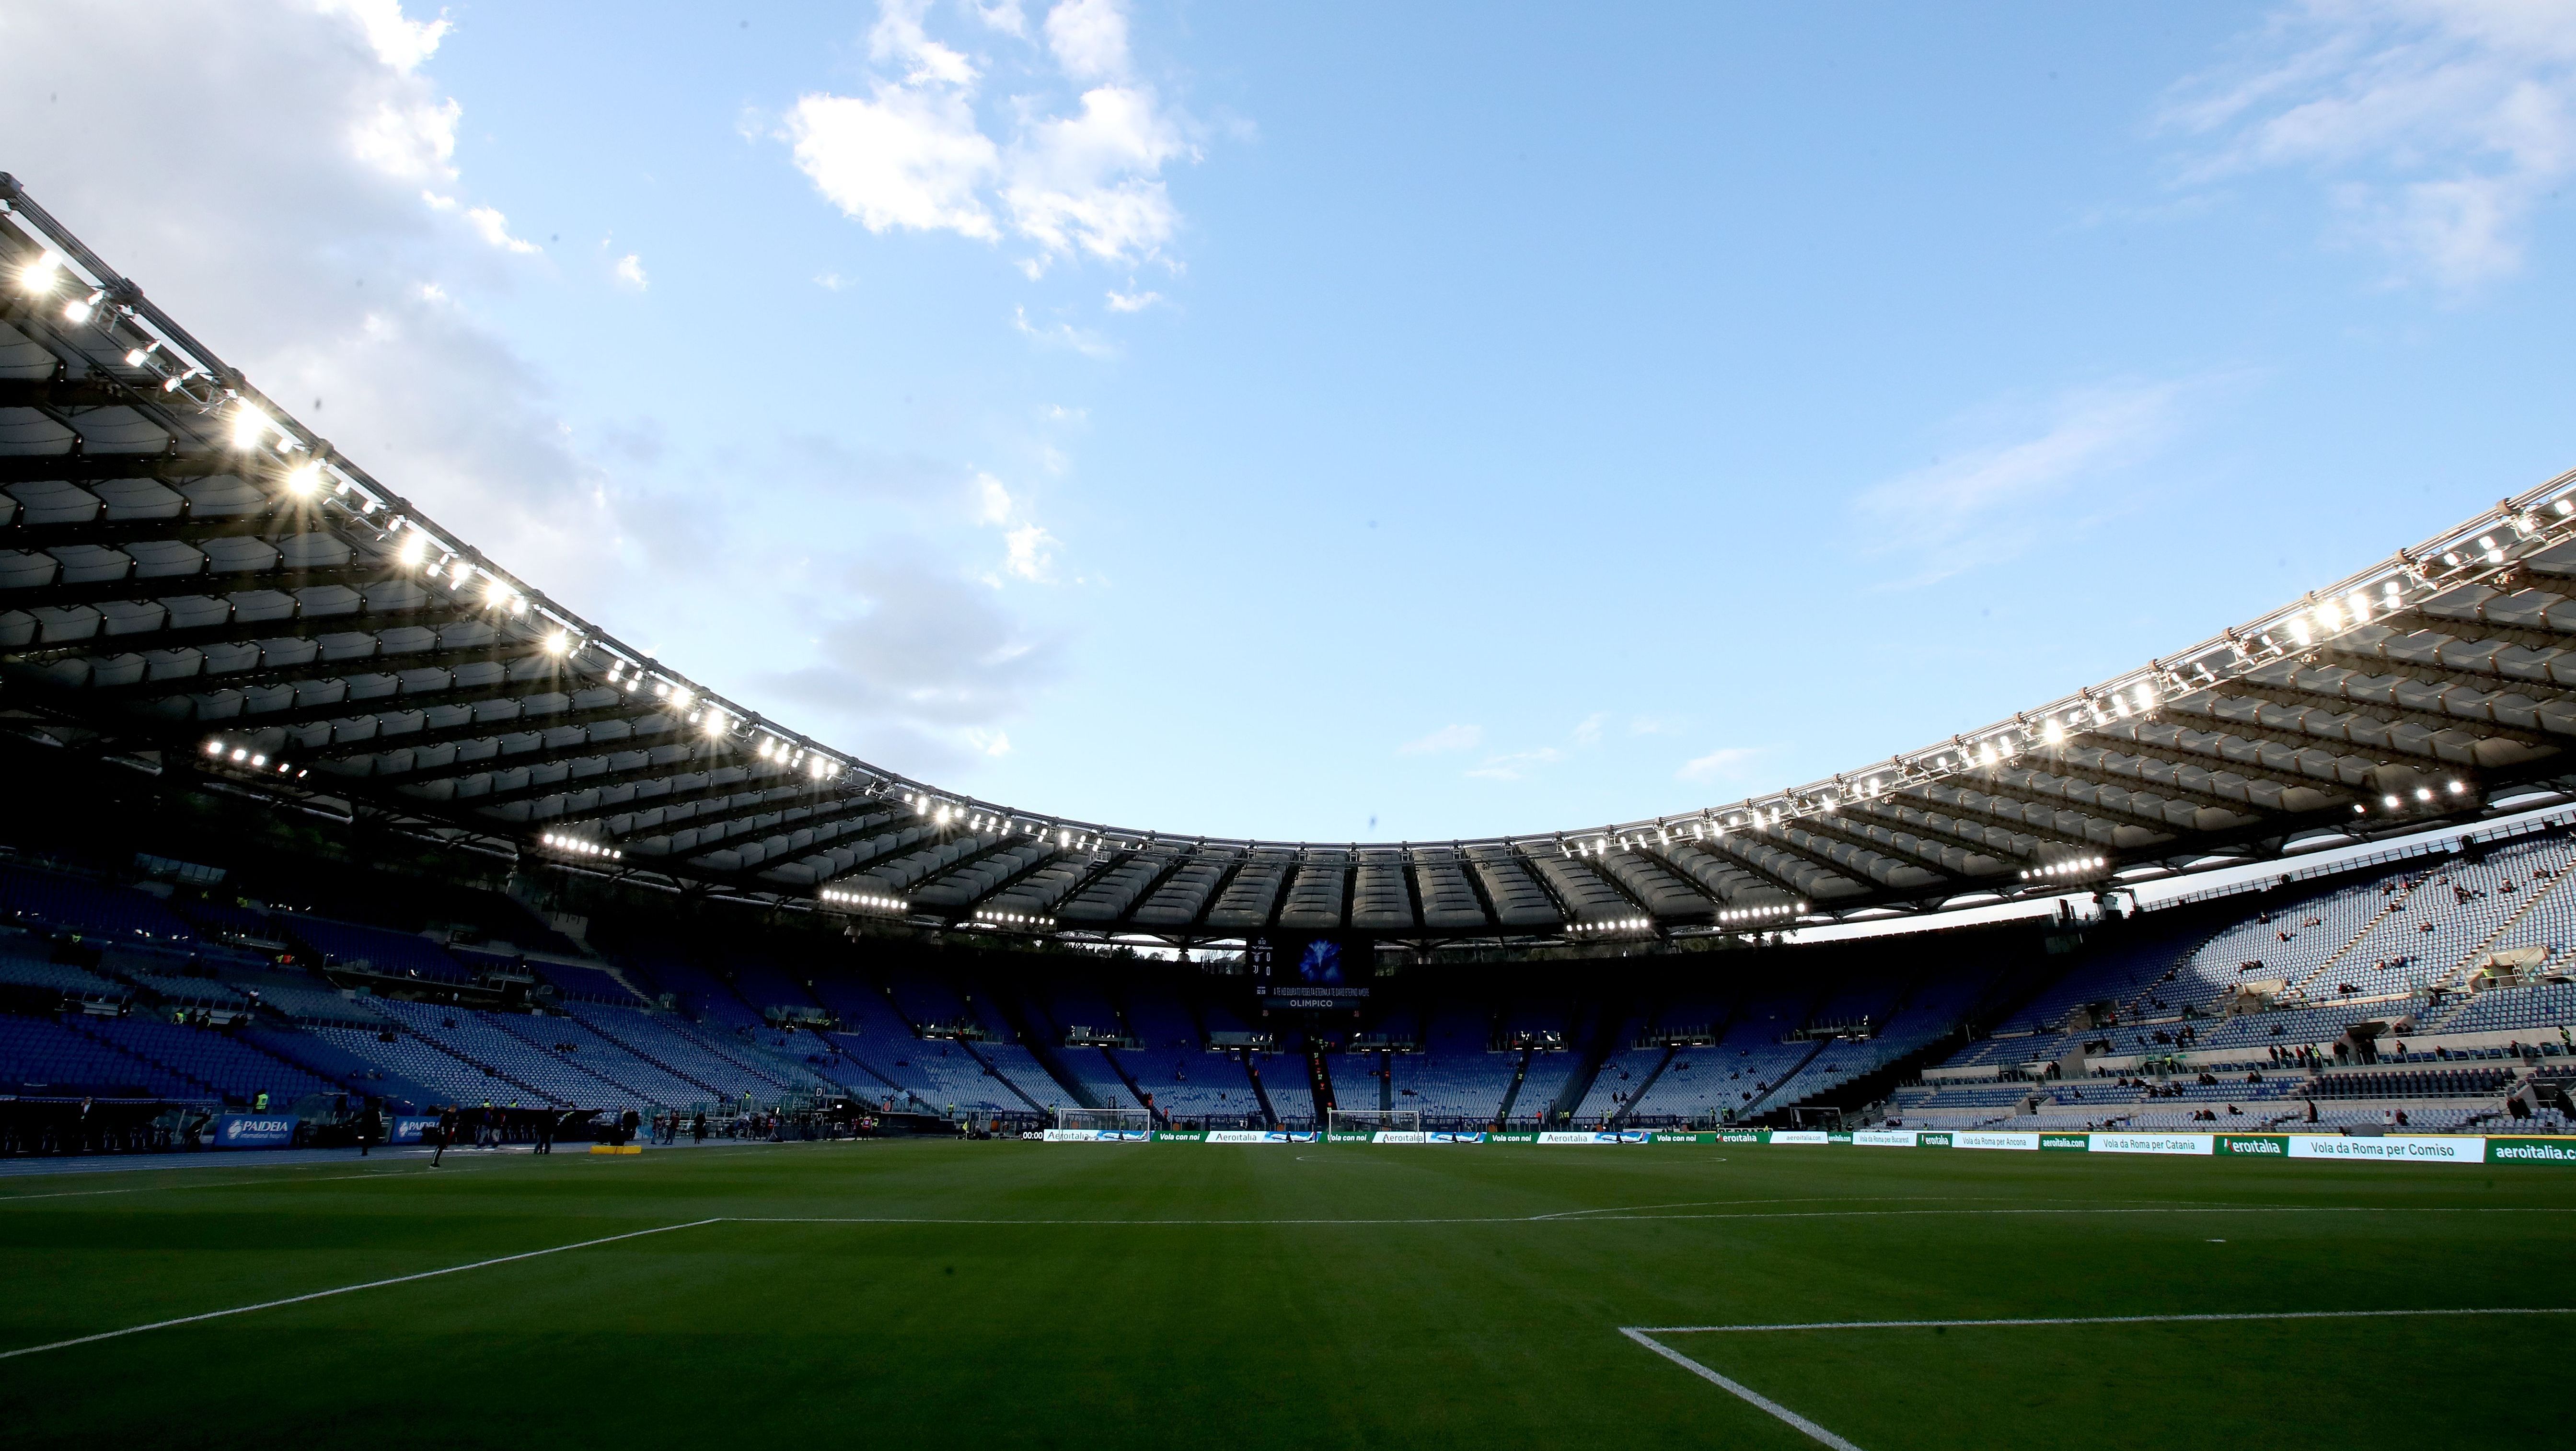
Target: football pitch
[(1046, 1295)]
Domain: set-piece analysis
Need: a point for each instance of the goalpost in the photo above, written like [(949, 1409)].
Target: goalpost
[(1374, 1126), (1102, 1126)]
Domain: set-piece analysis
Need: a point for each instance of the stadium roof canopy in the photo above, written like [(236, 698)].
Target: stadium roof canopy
[(191, 581)]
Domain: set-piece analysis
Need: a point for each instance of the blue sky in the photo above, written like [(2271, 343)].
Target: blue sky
[(1354, 422)]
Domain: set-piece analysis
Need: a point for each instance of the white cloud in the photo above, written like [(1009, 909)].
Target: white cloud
[(993, 503), (1089, 38), (1447, 738), (1724, 764), (911, 157), (492, 227), (1009, 17), (1515, 765), (1133, 301), (1031, 554), (629, 272), (1093, 181), (1982, 504), (899, 36), (830, 281), (2438, 126), (913, 153), (923, 663), (399, 41), (1064, 335), (1587, 731)]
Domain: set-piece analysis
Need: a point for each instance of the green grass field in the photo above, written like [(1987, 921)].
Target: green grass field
[(1016, 1294)]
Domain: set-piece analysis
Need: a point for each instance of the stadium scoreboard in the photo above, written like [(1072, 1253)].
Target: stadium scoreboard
[(1325, 972)]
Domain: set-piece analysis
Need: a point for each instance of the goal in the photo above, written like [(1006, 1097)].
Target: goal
[(1102, 1125), (1375, 1126)]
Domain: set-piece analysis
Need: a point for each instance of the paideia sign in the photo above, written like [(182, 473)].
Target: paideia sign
[(254, 1131)]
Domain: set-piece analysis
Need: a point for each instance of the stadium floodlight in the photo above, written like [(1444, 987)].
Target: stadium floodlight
[(38, 275), (249, 426), (81, 309), (558, 644), (305, 479), (1374, 1126), (137, 357)]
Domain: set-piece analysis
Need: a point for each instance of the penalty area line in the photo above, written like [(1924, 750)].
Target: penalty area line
[(350, 1289), (1645, 1335), (1740, 1391)]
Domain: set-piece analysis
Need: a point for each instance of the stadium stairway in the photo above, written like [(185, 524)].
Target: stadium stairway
[(1782, 1081), (1127, 1077), (1260, 1095), (1004, 1079), (1319, 1079), (1042, 1047), (1881, 1083), (328, 1061), (2459, 972), (1511, 1095), (1598, 1045), (1620, 1115), (2397, 902)]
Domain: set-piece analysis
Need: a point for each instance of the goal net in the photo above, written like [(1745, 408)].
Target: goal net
[(1375, 1125), (1102, 1125)]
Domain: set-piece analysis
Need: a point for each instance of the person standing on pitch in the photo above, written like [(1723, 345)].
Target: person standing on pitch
[(370, 1124), (546, 1132), (445, 1132)]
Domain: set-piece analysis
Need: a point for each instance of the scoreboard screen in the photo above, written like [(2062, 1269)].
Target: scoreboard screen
[(1312, 971)]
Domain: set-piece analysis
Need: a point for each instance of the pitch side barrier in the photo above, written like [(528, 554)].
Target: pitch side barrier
[(2375, 1149)]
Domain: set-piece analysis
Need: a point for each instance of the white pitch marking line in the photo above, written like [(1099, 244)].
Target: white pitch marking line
[(1740, 1391), (2093, 1320), (276, 1183), (1645, 1335), (348, 1289), (1610, 1217)]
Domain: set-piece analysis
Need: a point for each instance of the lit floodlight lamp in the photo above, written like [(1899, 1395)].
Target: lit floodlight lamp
[(2423, 793), (38, 275), (415, 546), (2459, 788), (137, 357), (81, 309), (305, 479), (558, 644), (249, 426)]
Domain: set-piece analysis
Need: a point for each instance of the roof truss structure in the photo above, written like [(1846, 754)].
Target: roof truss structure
[(192, 581)]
